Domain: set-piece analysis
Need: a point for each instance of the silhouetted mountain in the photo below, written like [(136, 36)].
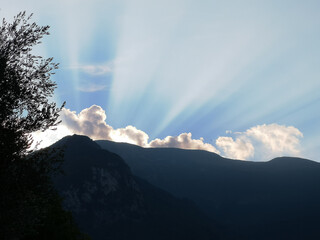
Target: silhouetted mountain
[(278, 199), (108, 202)]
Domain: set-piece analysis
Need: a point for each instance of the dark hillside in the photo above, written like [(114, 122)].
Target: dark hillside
[(278, 199), (108, 202)]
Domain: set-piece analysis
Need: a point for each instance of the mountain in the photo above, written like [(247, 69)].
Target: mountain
[(108, 202), (278, 199)]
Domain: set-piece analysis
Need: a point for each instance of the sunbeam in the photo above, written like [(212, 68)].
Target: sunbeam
[(175, 67)]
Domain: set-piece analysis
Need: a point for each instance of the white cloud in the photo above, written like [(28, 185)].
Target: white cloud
[(95, 69), (239, 149), (92, 123), (184, 140), (131, 135), (262, 142), (89, 122), (92, 87), (277, 138)]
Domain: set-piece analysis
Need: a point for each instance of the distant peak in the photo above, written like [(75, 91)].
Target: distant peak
[(79, 140), (291, 160)]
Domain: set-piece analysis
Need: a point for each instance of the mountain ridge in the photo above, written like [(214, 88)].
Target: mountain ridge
[(245, 196), (107, 201), (133, 146)]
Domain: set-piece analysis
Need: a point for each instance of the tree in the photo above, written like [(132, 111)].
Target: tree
[(29, 204), (25, 86)]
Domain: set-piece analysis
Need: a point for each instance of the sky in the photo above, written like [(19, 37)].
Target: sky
[(239, 78)]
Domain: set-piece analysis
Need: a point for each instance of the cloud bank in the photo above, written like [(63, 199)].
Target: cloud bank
[(92, 122), (260, 142)]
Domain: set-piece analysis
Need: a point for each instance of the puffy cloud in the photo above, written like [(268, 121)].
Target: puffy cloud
[(240, 149), (262, 142), (131, 135), (184, 140), (92, 123), (277, 138)]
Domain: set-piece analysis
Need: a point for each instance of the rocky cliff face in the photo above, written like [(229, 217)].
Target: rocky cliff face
[(108, 202), (97, 187)]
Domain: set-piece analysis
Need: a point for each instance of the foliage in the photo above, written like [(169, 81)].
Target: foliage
[(25, 86), (30, 207)]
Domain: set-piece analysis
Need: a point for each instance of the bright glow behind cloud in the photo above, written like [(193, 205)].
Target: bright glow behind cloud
[(187, 66), (92, 122), (48, 137), (261, 142)]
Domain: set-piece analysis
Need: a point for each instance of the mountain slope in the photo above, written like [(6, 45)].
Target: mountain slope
[(108, 202), (255, 200)]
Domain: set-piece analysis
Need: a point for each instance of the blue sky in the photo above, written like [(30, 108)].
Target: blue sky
[(242, 75)]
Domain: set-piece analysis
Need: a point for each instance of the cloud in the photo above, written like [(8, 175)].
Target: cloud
[(92, 87), (92, 122), (130, 134), (277, 138), (238, 149), (184, 140), (93, 76), (95, 69), (262, 142)]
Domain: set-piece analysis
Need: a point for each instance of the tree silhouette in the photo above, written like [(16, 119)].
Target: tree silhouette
[(30, 208), (25, 86)]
